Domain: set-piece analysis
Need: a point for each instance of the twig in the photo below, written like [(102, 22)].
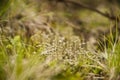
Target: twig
[(111, 17)]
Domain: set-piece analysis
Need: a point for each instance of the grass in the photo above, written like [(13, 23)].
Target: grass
[(54, 56), (4, 5)]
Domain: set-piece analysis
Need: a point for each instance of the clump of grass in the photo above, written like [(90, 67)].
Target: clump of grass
[(113, 56), (4, 5), (113, 63)]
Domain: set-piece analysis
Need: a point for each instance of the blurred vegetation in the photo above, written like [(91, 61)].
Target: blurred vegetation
[(59, 40)]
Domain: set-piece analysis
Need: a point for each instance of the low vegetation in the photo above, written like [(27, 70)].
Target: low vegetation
[(43, 45)]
